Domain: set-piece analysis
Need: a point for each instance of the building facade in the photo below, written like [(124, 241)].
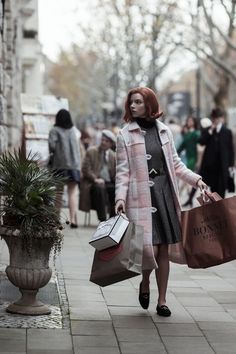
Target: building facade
[(19, 64)]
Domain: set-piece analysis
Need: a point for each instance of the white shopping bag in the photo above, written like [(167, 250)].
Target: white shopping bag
[(109, 233)]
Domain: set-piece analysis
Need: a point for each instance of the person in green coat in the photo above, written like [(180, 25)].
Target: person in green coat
[(189, 143)]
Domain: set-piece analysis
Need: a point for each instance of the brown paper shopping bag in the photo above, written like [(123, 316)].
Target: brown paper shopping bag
[(209, 233), (119, 262)]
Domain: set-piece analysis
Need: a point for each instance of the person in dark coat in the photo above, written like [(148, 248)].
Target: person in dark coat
[(218, 157)]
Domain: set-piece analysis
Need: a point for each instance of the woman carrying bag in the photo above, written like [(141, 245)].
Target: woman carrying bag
[(146, 187)]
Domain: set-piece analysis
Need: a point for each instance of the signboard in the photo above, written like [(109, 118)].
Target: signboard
[(39, 116), (179, 104)]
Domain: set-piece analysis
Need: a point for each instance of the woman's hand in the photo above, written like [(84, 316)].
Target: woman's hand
[(99, 181), (120, 206), (201, 185)]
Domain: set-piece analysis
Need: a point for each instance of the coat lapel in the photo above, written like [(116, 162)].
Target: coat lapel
[(162, 133)]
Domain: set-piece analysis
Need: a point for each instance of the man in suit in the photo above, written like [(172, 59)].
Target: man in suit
[(218, 157), (97, 186)]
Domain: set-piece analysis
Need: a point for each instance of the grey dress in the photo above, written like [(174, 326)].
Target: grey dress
[(165, 222)]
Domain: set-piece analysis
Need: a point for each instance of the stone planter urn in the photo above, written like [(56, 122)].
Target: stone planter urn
[(28, 270)]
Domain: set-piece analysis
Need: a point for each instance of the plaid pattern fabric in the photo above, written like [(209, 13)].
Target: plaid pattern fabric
[(132, 179)]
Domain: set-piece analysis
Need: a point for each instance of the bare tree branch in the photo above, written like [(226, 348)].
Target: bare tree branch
[(210, 84), (225, 7), (210, 27)]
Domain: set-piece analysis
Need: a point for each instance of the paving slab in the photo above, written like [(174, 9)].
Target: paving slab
[(224, 297), (39, 339), (179, 330), (213, 325), (96, 311), (223, 335), (187, 345), (133, 322), (92, 328), (53, 351), (217, 316), (96, 350), (198, 301), (127, 311), (12, 340), (95, 341), (141, 348), (223, 348), (138, 335)]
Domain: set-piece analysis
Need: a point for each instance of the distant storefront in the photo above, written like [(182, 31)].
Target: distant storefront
[(38, 118), (179, 104)]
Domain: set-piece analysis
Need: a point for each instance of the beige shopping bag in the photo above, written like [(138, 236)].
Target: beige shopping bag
[(119, 262)]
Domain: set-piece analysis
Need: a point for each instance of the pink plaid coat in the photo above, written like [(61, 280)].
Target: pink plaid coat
[(132, 179)]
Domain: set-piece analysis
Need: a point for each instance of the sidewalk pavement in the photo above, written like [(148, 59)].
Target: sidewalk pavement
[(110, 321)]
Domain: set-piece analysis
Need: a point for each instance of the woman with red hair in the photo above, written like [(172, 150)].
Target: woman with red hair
[(146, 187)]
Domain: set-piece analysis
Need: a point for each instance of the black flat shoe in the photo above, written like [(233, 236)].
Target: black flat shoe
[(144, 298), (73, 226), (163, 310)]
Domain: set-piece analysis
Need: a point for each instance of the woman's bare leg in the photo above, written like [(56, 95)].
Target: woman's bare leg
[(162, 273), (72, 188), (58, 201), (146, 275)]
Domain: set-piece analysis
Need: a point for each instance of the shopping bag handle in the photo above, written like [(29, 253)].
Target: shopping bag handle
[(121, 213), (205, 193)]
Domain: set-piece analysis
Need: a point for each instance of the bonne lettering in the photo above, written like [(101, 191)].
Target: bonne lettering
[(210, 228)]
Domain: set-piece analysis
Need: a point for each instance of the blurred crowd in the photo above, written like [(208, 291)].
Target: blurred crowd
[(206, 146)]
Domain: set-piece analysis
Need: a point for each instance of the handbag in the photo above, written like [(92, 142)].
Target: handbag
[(109, 232), (119, 262), (209, 232)]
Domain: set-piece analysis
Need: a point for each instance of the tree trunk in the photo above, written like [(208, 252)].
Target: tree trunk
[(221, 97)]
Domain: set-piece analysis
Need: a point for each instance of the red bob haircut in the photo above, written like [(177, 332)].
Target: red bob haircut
[(150, 100)]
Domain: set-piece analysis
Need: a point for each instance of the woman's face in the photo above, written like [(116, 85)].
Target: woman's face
[(137, 106), (190, 122)]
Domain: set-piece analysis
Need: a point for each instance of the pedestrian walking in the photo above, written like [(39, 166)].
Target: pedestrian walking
[(189, 142), (189, 146), (146, 187), (65, 151), (218, 156), (176, 131), (97, 187), (204, 123)]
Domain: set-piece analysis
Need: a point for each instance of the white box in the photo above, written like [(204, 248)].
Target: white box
[(110, 232)]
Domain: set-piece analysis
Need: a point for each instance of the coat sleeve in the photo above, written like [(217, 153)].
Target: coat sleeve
[(182, 146), (231, 149), (52, 140), (87, 167), (122, 169), (112, 165), (182, 172), (205, 136)]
